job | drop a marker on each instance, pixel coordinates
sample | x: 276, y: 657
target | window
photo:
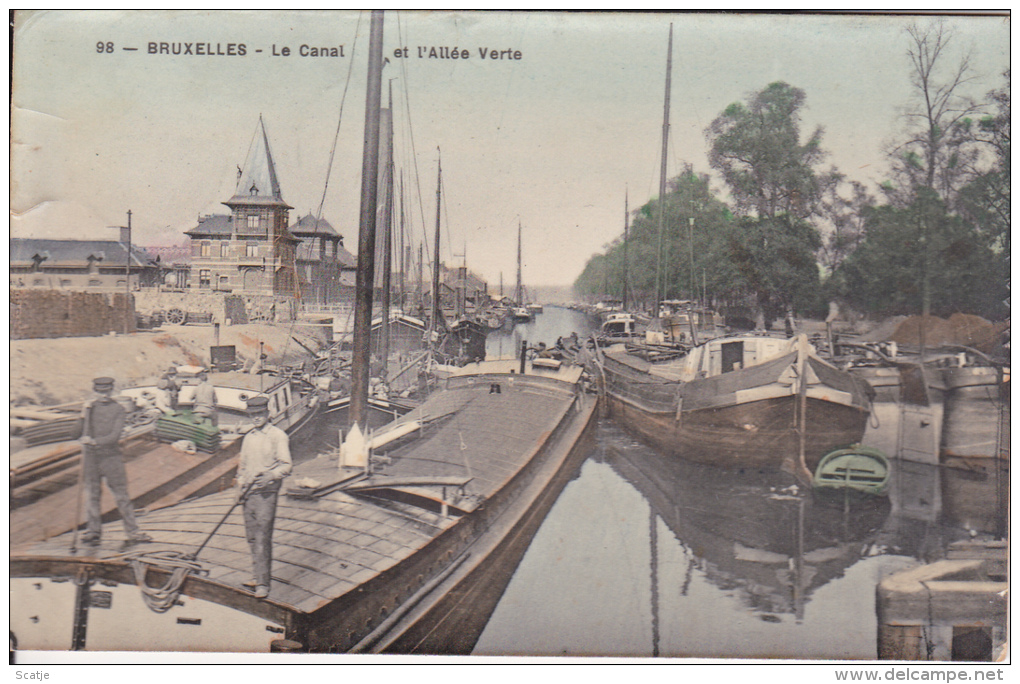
x: 224, y: 250
x: 206, y: 248
x: 38, y: 281
x: 204, y: 278
x: 224, y: 283
x: 65, y: 282
x: 95, y: 282
x: 251, y: 249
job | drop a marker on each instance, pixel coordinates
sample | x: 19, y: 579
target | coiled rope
x: 179, y: 565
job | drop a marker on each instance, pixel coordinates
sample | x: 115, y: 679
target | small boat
x: 739, y: 400
x: 520, y: 314
x: 535, y: 308
x: 161, y: 467
x: 620, y: 327
x: 858, y: 468
x: 408, y: 555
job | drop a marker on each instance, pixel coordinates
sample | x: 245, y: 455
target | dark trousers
x: 259, y: 516
x: 109, y: 465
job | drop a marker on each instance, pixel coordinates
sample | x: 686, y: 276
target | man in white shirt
x: 265, y: 462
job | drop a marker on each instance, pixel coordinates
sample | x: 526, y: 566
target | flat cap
x: 102, y: 383
x: 259, y: 403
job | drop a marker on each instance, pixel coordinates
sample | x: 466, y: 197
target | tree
x: 843, y: 219
x: 777, y: 189
x: 985, y: 202
x: 775, y: 262
x: 884, y: 275
x: 940, y: 151
x: 756, y: 147
x: 695, y: 252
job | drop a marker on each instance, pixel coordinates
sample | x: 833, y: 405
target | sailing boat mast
x: 518, y: 295
x: 662, y: 174
x: 626, y: 226
x: 436, y: 311
x: 366, y: 229
x: 387, y: 227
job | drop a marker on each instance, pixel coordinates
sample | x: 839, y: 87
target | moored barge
x: 410, y: 555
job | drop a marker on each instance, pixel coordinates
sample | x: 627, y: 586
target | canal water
x: 643, y: 555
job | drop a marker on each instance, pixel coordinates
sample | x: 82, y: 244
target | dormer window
x: 253, y: 190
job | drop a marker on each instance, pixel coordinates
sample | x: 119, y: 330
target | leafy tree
x: 775, y: 263
x: 985, y: 202
x: 756, y: 147
x: 692, y: 252
x: 843, y: 221
x: 906, y: 246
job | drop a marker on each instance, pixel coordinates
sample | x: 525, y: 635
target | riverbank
x: 60, y: 370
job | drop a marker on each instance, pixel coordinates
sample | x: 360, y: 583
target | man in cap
x: 101, y: 458
x: 265, y: 462
x: 205, y: 398
x: 173, y: 386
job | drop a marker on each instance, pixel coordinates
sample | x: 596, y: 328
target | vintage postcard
x: 509, y: 334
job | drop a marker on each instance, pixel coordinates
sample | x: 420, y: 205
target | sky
x: 552, y: 140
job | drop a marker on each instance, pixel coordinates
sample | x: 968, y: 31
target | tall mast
x: 518, y: 294
x: 387, y: 226
x: 365, y: 279
x: 626, y: 226
x: 436, y: 311
x: 662, y: 173
x: 404, y: 249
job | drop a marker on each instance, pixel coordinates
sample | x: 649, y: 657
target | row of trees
x: 795, y: 235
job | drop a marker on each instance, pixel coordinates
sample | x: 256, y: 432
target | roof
x: 309, y: 226
x: 75, y: 252
x: 257, y: 182
x: 213, y: 225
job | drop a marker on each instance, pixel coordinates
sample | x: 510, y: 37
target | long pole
x: 626, y: 227
x: 387, y: 226
x: 366, y: 228
x: 662, y: 172
x: 436, y: 311
x: 127, y: 280
x: 690, y: 242
x: 517, y: 294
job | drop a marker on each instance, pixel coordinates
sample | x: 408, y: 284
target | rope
x: 179, y: 565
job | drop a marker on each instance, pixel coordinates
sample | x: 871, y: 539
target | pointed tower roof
x: 256, y: 182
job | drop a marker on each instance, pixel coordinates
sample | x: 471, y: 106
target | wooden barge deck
x: 411, y: 557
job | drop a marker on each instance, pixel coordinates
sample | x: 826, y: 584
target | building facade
x: 250, y: 251
x: 80, y: 265
x: 322, y: 262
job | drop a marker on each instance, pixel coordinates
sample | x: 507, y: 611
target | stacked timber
x: 46, y: 425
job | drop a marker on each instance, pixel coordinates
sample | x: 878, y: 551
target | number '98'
x: 104, y: 47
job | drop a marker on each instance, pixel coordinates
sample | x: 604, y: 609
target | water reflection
x: 644, y: 555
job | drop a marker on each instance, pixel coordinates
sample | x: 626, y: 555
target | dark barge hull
x: 743, y: 418
x: 719, y: 436
x: 452, y: 619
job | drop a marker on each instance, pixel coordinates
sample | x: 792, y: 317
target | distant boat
x: 520, y: 314
x: 739, y: 400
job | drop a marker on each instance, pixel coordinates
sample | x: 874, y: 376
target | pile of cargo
x: 185, y: 425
